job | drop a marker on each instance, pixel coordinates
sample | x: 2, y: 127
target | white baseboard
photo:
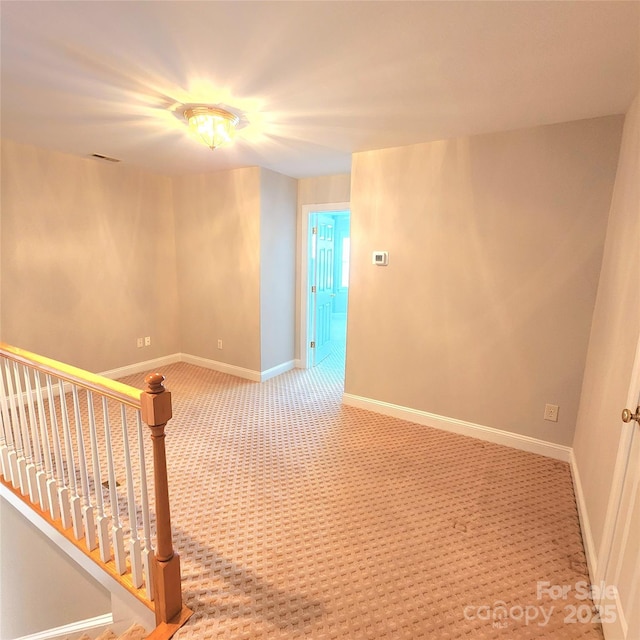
x: 223, y: 367
x: 489, y: 434
x: 276, y: 371
x: 73, y: 630
x: 585, y: 525
x: 139, y: 367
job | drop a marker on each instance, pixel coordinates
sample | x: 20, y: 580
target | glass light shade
x: 213, y: 125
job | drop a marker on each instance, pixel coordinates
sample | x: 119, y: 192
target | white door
x: 322, y: 290
x: 619, y: 593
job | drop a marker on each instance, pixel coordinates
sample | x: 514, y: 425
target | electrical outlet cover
x: 551, y: 412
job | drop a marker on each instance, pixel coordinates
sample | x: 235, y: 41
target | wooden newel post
x: 155, y: 406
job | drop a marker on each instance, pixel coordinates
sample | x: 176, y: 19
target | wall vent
x: 99, y: 156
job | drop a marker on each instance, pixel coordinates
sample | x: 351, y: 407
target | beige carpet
x: 297, y: 517
x: 135, y: 632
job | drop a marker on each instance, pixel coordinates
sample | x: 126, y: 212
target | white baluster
x: 41, y: 478
x: 50, y: 487
x: 102, y: 522
x: 134, y: 543
x: 117, y: 534
x: 4, y: 460
x: 147, y: 549
x: 32, y: 485
x: 17, y: 463
x: 87, y: 507
x: 75, y: 504
x: 4, y: 449
x: 8, y: 447
x: 62, y: 490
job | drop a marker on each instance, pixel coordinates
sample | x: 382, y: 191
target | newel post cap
x: 155, y: 401
x: 155, y: 383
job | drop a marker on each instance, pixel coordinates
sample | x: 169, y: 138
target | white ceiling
x: 317, y: 80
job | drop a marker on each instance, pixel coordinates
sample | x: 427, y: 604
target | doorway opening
x: 326, y: 243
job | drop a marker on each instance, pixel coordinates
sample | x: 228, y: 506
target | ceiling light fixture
x: 214, y: 126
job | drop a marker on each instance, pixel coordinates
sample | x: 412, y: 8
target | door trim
x: 617, y: 482
x: 305, y: 359
x: 598, y: 558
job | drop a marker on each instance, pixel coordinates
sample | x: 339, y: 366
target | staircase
x: 135, y: 632
x: 74, y: 455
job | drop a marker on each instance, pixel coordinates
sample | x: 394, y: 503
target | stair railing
x: 64, y: 454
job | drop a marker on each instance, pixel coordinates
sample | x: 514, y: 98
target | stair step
x: 134, y: 632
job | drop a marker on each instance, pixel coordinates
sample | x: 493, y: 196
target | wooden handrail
x: 85, y: 379
x: 154, y: 404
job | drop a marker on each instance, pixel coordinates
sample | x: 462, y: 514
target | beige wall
x: 88, y: 259
x: 495, y: 243
x: 324, y: 189
x: 482, y: 315
x: 218, y: 263
x: 614, y: 336
x: 277, y: 268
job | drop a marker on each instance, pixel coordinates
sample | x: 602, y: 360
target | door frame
x: 617, y: 482
x: 306, y: 357
x: 617, y: 487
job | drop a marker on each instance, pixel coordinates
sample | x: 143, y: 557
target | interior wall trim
x: 277, y: 370
x: 453, y: 425
x: 223, y: 367
x: 140, y: 367
x: 585, y: 525
x: 96, y: 625
x: 157, y: 363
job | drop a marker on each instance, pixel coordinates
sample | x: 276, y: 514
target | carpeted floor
x: 297, y: 517
x: 135, y: 632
